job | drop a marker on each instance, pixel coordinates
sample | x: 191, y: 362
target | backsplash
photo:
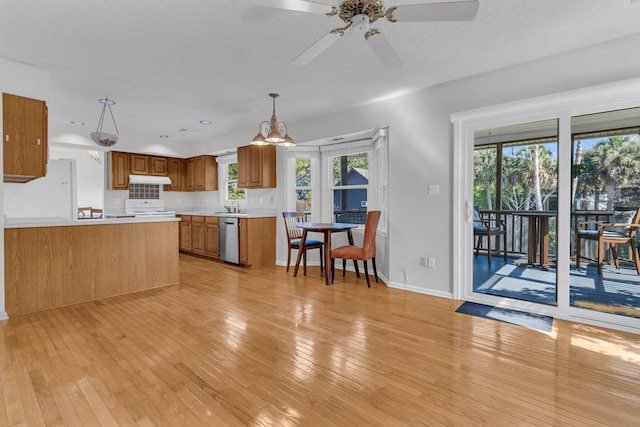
x: 144, y: 191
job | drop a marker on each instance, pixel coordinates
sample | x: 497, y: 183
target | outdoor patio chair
x: 488, y: 228
x: 621, y: 230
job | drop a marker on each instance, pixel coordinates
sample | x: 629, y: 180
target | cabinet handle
x: 6, y: 138
x: 38, y: 141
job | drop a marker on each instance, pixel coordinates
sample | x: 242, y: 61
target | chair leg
x: 304, y: 261
x: 600, y: 254
x: 333, y: 268
x: 344, y: 267
x: 634, y: 251
x: 289, y: 259
x: 504, y: 247
x: 366, y: 273
x: 577, y: 251
x: 375, y: 270
x: 614, y: 254
x: 355, y: 265
x: 489, y: 248
x: 321, y: 261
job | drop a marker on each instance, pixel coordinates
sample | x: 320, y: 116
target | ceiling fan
x: 359, y: 14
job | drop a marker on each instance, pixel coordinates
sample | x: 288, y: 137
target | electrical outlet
x: 423, y: 261
x: 431, y: 262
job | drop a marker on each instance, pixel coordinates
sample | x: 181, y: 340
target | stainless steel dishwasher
x: 229, y: 240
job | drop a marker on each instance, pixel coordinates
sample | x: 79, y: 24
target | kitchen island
x: 56, y: 262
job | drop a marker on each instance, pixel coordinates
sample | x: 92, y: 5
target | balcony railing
x: 517, y: 233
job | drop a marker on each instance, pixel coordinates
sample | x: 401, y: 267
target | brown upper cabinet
x: 158, y: 166
x: 119, y: 170
x: 176, y: 173
x: 139, y: 164
x: 194, y: 174
x: 206, y: 173
x: 257, y: 166
x: 25, y: 124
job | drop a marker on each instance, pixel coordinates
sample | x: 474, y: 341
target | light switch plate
x: 434, y: 189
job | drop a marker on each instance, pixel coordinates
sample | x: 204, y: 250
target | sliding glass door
x: 515, y: 209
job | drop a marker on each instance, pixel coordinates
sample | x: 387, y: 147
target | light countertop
x: 229, y: 215
x: 64, y: 222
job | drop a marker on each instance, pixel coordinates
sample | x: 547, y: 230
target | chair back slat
x: 290, y: 221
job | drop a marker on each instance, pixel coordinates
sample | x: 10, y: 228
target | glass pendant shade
x: 105, y: 139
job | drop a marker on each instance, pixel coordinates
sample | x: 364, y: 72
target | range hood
x: 144, y: 179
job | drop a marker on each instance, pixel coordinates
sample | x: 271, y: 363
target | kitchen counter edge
x: 229, y: 215
x: 61, y: 222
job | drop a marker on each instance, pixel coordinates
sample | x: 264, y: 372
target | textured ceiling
x: 169, y: 64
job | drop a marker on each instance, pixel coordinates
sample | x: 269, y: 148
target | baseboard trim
x: 420, y: 290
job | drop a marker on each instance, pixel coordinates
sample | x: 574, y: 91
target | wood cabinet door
x: 211, y: 237
x: 190, y: 177
x: 139, y: 164
x: 119, y: 169
x: 255, y: 166
x: 175, y: 172
x: 25, y: 138
x: 199, y: 172
x: 158, y: 166
x: 243, y: 167
x: 243, y: 226
x: 197, y: 235
x: 185, y: 233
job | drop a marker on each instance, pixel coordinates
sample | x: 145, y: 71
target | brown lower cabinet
x: 257, y: 241
x: 199, y: 235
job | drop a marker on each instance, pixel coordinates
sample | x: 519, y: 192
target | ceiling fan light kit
x: 105, y: 139
x: 359, y: 14
x: 273, y: 132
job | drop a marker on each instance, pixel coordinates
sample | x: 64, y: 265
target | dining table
x: 327, y: 229
x: 538, y: 241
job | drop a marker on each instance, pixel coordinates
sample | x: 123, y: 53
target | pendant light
x: 273, y: 132
x: 101, y: 138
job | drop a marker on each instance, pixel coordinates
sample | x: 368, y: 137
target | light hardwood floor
x: 231, y: 346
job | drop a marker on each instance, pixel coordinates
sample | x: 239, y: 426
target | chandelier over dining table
x: 273, y: 132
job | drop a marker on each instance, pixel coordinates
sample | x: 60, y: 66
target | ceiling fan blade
x: 386, y: 54
x: 451, y: 11
x: 316, y: 49
x: 299, y: 5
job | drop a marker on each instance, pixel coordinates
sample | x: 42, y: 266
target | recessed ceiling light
x: 182, y: 130
x: 205, y: 122
x: 164, y: 136
x: 77, y: 123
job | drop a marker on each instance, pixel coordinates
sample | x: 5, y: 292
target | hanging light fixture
x: 101, y: 138
x: 273, y: 132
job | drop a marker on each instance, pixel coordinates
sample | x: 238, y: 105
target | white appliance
x: 146, y: 208
x: 52, y: 196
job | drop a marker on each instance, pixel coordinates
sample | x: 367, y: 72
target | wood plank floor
x: 230, y: 346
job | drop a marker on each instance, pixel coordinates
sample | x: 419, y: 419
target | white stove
x: 146, y: 208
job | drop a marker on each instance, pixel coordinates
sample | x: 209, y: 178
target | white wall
x: 31, y: 82
x: 420, y: 147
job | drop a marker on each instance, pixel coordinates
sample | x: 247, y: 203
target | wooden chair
x: 96, y: 213
x: 365, y: 252
x: 294, y: 234
x: 621, y: 230
x: 488, y: 228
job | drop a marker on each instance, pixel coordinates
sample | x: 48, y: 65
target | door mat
x: 528, y: 320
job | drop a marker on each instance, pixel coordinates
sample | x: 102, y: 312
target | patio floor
x: 616, y: 291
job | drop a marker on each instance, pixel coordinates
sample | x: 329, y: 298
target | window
x: 233, y: 192
x: 303, y: 185
x: 228, y: 179
x: 346, y: 180
x: 350, y: 180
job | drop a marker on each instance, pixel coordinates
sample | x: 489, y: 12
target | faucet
x: 227, y: 208
x: 237, y: 208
